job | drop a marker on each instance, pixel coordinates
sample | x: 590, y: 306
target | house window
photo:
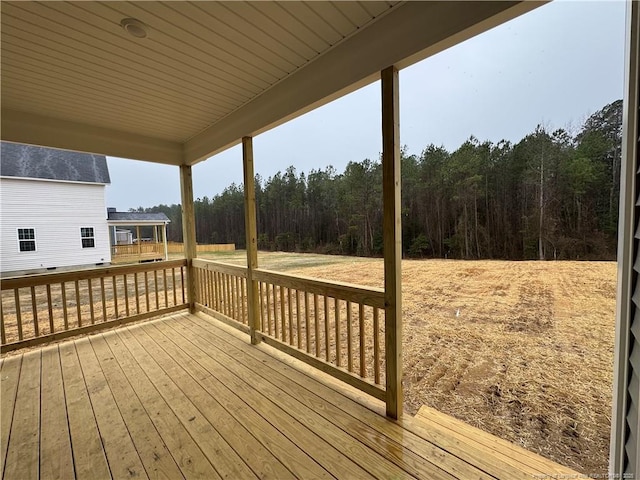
x: 88, y: 240
x: 27, y: 239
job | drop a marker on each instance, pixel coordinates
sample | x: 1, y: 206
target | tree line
x: 552, y: 195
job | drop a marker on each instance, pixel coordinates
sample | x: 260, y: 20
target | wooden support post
x: 139, y: 242
x: 164, y: 240
x: 251, y: 232
x: 188, y: 231
x: 392, y: 237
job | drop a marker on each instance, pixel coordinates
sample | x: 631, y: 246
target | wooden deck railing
x: 221, y: 291
x: 336, y: 327
x: 39, y: 308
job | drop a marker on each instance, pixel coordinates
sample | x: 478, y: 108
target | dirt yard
x: 523, y: 350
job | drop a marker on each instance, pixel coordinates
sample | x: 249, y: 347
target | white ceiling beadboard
x: 72, y: 76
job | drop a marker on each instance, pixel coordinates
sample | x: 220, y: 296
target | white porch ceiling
x: 208, y: 73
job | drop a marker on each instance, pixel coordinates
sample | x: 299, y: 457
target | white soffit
x: 207, y: 73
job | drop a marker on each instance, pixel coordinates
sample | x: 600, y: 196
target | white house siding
x: 57, y: 211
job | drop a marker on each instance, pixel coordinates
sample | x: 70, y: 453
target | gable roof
x: 137, y: 217
x: 28, y: 161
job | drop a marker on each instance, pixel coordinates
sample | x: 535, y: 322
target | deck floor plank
x: 9, y: 377
x: 502, y: 449
x: 257, y: 412
x: 247, y: 425
x: 154, y: 454
x: 451, y: 454
x: 56, y: 457
x: 224, y: 459
x: 393, y: 443
x: 124, y: 460
x: 88, y: 454
x: 217, y: 362
x: 23, y: 451
x: 192, y: 461
x: 187, y: 397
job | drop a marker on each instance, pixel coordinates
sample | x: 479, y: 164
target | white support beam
x: 34, y: 129
x: 392, y: 238
x: 406, y: 35
x: 188, y: 231
x: 251, y: 233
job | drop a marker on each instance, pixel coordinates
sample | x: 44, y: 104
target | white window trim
x: 93, y: 237
x: 35, y: 236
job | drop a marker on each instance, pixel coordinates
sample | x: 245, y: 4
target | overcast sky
x: 553, y: 66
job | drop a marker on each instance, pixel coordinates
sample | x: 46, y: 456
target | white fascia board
x: 34, y: 129
x: 139, y: 223
x: 409, y: 33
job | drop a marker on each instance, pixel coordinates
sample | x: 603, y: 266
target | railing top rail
x: 10, y: 283
x: 228, y: 268
x: 371, y: 296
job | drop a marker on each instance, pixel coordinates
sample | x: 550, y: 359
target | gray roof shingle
x: 28, y: 161
x: 137, y: 216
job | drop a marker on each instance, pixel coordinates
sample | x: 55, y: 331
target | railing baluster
x: 3, y: 335
x: 232, y: 296
x: 184, y: 298
x: 173, y: 284
x: 261, y: 307
x: 243, y: 286
x: 166, y: 292
x: 338, y: 340
x: 376, y: 347
x: 104, y: 300
x: 50, y: 308
x: 126, y: 294
x: 306, y: 321
x: 18, y: 313
x: 227, y: 283
x: 65, y: 313
x: 298, y: 319
x: 327, y: 330
x: 239, y: 315
x: 136, y: 289
x: 317, y: 324
x: 363, y: 368
x: 34, y: 310
x: 115, y: 295
x: 275, y: 312
x: 90, y: 288
x: 290, y: 311
x: 78, y: 308
x: 266, y: 287
x: 155, y: 288
x: 282, y: 316
x: 146, y: 290
x: 210, y: 289
x: 349, y: 339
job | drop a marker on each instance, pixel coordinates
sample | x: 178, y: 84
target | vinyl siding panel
x: 57, y: 211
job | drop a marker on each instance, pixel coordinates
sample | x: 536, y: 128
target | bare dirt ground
x: 523, y: 350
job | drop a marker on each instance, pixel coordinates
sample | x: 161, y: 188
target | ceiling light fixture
x: 134, y: 27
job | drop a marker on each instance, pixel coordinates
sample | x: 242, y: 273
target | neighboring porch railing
x: 335, y: 327
x: 142, y: 251
x: 40, y: 308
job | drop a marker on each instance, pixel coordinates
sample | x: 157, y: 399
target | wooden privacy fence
x: 174, y: 247
x: 335, y: 327
x: 40, y: 308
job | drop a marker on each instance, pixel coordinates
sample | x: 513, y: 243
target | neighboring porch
x: 185, y: 396
x: 149, y: 243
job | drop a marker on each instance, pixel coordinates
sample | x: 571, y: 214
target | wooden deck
x: 187, y: 397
